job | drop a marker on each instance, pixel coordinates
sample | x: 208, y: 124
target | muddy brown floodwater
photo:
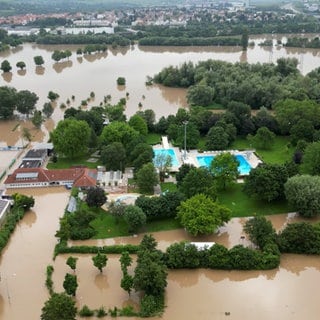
x: 286, y: 293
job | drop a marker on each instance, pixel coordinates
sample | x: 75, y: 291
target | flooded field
x: 284, y: 293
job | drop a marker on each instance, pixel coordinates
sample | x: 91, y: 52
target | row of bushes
x: 196, y: 41
x: 299, y: 238
x: 113, y: 249
x: 185, y: 255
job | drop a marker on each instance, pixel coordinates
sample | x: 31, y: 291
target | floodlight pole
x: 185, y: 139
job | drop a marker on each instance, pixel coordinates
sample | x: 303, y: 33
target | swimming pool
x: 168, y: 152
x: 244, y: 167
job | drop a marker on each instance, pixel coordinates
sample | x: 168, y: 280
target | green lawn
x: 168, y: 186
x: 106, y: 226
x: 153, y: 138
x: 279, y: 153
x: 243, y: 206
x: 64, y: 163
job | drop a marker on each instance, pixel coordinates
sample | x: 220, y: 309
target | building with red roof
x: 38, y: 177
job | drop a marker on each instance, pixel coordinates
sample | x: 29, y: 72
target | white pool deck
x: 191, y: 156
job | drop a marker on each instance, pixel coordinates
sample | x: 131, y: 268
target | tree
x: 100, y: 261
x: 139, y: 124
x: 113, y: 156
x: 266, y: 182
x: 125, y: 261
x: 118, y: 132
x: 244, y: 39
x: 72, y: 262
x: 200, y: 215
x: 70, y: 284
x: 37, y: 119
x: 59, y: 306
x: 52, y: 96
x: 96, y: 197
x: 127, y: 282
x: 21, y: 65
x: 47, y: 109
x: 141, y: 154
x: 38, y: 60
x: 311, y: 159
x: 117, y: 209
x: 23, y: 201
x: 147, y: 178
x: 8, y: 98
x: 260, y: 231
x: 121, y: 81
x: 134, y: 217
x: 71, y: 137
x: 162, y: 162
x: 224, y: 168
x: 264, y: 139
x: 56, y: 55
x: 303, y: 194
x: 183, y: 171
x: 217, y: 139
x: 192, y: 136
x: 200, y: 95
x: 198, y: 180
x: 26, y: 102
x: 150, y: 274
x: 26, y: 135
x: 302, y: 130
x: 5, y: 66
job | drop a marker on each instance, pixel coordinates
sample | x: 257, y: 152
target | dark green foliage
x: 38, y: 60
x: 218, y: 257
x: 23, y: 201
x: 198, y: 180
x: 183, y: 171
x: 301, y: 238
x: 62, y: 248
x: 101, y: 312
x: 96, y: 197
x: 59, y: 306
x: 135, y: 218
x: 147, y: 178
x: 113, y: 156
x: 311, y: 159
x: 151, y: 305
x: 242, y: 258
x: 70, y: 284
x: 100, y: 261
x: 121, y: 81
x: 266, y: 182
x: 217, y: 139
x: 8, y: 98
x: 164, y: 206
x: 79, y: 222
x: 182, y: 255
x: 260, y: 231
x: 49, y: 282
x: 53, y: 96
x: 72, y: 262
x: 5, y: 66
x: 86, y: 312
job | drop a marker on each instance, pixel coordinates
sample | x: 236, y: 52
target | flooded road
x: 284, y: 293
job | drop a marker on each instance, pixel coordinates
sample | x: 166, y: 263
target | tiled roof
x: 81, y: 177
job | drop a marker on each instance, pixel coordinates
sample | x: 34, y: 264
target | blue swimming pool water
x: 168, y: 152
x: 244, y: 167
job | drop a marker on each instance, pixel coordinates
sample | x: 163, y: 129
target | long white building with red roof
x: 38, y: 177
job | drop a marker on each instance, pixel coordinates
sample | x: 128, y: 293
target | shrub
x: 151, y: 305
x: 101, y: 312
x: 86, y: 312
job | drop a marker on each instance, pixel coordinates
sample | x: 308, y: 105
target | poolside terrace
x: 190, y: 157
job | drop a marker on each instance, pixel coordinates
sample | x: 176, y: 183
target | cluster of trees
x: 58, y: 55
x: 303, y: 42
x: 91, y: 48
x: 11, y: 100
x: 195, y: 41
x: 103, y: 39
x: 257, y: 85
